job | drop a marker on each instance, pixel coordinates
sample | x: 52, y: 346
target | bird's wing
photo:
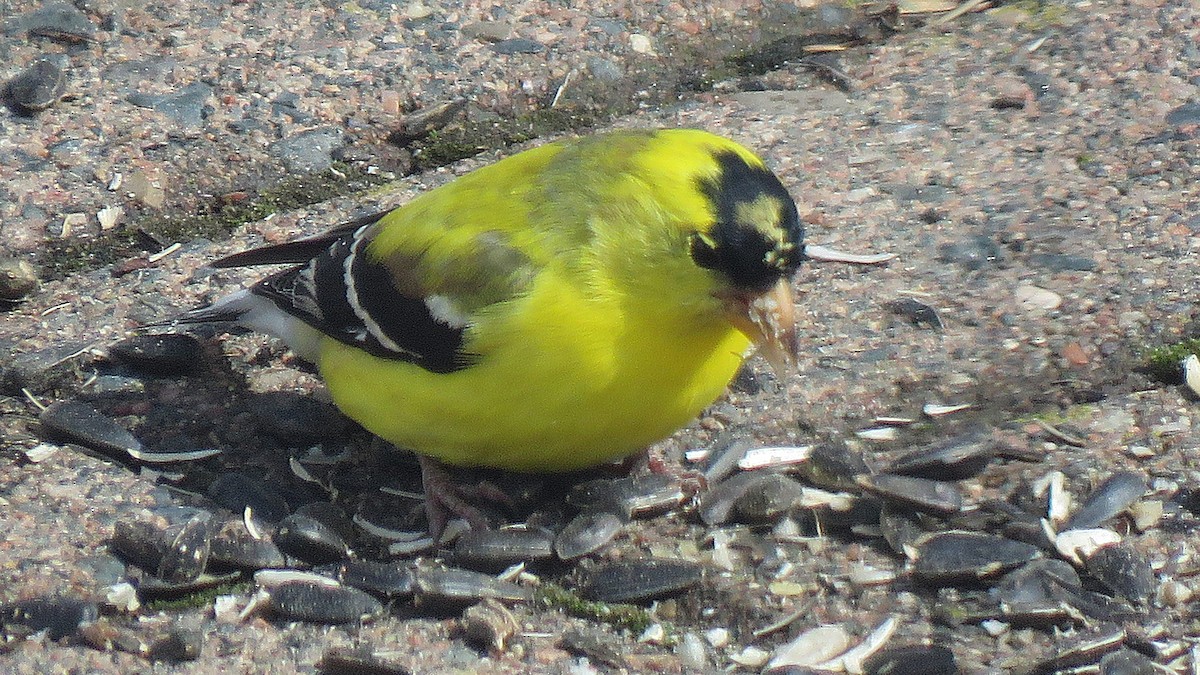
x: 407, y: 304
x: 410, y: 283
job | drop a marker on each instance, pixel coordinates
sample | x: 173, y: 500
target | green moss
x: 624, y: 617
x: 454, y: 143
x: 200, y: 598
x: 774, y: 54
x: 1163, y: 363
x: 447, y: 146
x: 215, y: 219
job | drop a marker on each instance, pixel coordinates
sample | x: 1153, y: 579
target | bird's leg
x: 691, y: 481
x: 444, y: 497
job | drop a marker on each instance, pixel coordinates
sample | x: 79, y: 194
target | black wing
x: 344, y: 293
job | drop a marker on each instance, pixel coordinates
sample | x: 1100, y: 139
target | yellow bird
x: 558, y: 309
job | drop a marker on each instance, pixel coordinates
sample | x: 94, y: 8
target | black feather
x: 753, y: 256
x: 293, y: 252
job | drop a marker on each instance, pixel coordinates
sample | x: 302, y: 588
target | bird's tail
x: 248, y: 310
x: 229, y: 309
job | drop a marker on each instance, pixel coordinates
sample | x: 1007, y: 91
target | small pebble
x: 1033, y: 298
x: 60, y: 617
x: 39, y: 86
x: 495, y: 550
x: 586, y: 534
x: 947, y: 557
x: 185, y: 107
x: 166, y: 354
x: 310, y: 540
x: 973, y: 253
x: 1186, y: 114
x: 635, y: 581
x: 518, y: 46
x: 60, y: 21
x: 490, y: 624
x: 308, y: 151
x: 18, y: 279
x: 83, y: 424
x: 318, y: 603
x: 641, y: 44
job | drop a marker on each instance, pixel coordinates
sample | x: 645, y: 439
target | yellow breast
x: 564, y: 381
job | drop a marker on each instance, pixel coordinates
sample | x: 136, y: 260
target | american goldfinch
x: 558, y: 309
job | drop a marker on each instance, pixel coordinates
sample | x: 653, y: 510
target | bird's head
x: 753, y: 245
x: 707, y: 229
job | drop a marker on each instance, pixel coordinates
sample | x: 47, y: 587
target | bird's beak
x: 769, y: 320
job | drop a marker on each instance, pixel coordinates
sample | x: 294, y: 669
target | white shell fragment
x: 895, y: 421
x: 760, y: 458
x: 812, y: 647
x: 693, y: 656
x: 316, y: 456
x: 72, y: 221
x: 272, y: 578
x: 1032, y: 298
x: 302, y: 472
x: 257, y: 601
x: 41, y: 452
x: 937, y: 410
x: 813, y: 498
x: 717, y: 637
x: 225, y: 609
x: 654, y: 634
x: 878, y: 433
x: 123, y: 597
x: 826, y: 254
x: 865, y: 575
x: 993, y: 627
x: 852, y: 660
x: 108, y: 217
x: 751, y: 657
x: 171, y: 457
x: 385, y: 533
x: 404, y: 548
x: 642, y: 44
x: 1058, y: 507
x: 170, y: 250
x: 1146, y: 514
x: 1079, y: 545
x: 1191, y: 373
x: 251, y: 523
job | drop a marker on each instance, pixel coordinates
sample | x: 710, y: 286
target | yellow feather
x: 594, y: 331
x: 569, y: 382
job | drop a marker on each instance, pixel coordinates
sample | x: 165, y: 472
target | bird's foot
x: 444, y: 498
x: 691, y: 481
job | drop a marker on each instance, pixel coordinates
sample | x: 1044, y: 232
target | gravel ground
x: 1032, y: 168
